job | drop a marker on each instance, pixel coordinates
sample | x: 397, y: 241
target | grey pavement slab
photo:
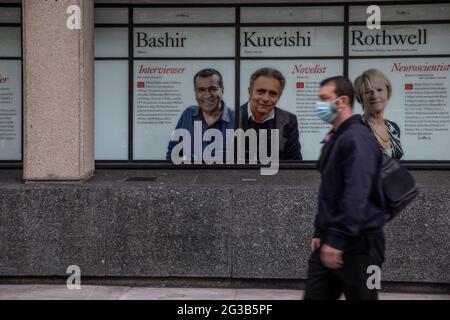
x: 55, y: 292
x: 405, y: 296
x: 268, y: 294
x: 9, y: 292
x: 179, y: 294
x: 108, y: 293
x: 60, y: 292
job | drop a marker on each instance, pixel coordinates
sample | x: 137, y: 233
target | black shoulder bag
x: 399, y: 185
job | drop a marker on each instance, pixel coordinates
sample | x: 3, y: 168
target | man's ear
x: 345, y: 100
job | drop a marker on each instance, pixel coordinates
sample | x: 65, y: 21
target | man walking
x: 348, y: 235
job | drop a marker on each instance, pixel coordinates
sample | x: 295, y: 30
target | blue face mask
x: 326, y: 111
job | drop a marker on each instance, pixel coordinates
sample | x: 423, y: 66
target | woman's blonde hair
x: 366, y: 78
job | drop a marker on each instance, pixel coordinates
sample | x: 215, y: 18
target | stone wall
x: 200, y: 223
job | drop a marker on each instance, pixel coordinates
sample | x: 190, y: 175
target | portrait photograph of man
x: 210, y: 110
x: 262, y: 112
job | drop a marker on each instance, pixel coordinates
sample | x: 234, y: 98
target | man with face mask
x: 348, y: 236
x: 211, y: 111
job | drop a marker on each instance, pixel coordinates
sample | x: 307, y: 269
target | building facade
x: 90, y: 93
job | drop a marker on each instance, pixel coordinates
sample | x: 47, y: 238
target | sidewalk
x: 60, y: 292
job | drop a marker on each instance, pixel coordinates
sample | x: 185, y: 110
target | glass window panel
x: 10, y: 110
x: 400, y: 40
x: 303, y: 79
x: 163, y: 89
x: 292, y: 14
x: 419, y: 104
x: 111, y: 42
x: 111, y: 15
x: 10, y: 15
x: 291, y: 41
x: 184, y: 15
x: 410, y: 12
x: 184, y: 42
x: 111, y: 110
x: 10, y: 42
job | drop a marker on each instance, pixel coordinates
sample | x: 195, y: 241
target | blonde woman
x: 373, y: 91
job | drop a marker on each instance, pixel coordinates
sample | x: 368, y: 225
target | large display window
x: 167, y: 46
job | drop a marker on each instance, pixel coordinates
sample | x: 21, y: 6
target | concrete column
x: 58, y: 72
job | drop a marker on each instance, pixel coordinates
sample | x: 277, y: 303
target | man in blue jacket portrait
x: 211, y: 111
x: 262, y: 112
x: 348, y: 241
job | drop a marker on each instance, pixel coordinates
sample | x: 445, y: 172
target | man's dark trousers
x: 360, y: 253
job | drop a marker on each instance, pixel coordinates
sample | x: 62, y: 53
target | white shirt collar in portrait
x: 250, y: 114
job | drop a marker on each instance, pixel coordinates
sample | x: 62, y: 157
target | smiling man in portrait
x: 262, y: 113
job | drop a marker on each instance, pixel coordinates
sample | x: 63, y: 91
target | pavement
x: 92, y: 292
